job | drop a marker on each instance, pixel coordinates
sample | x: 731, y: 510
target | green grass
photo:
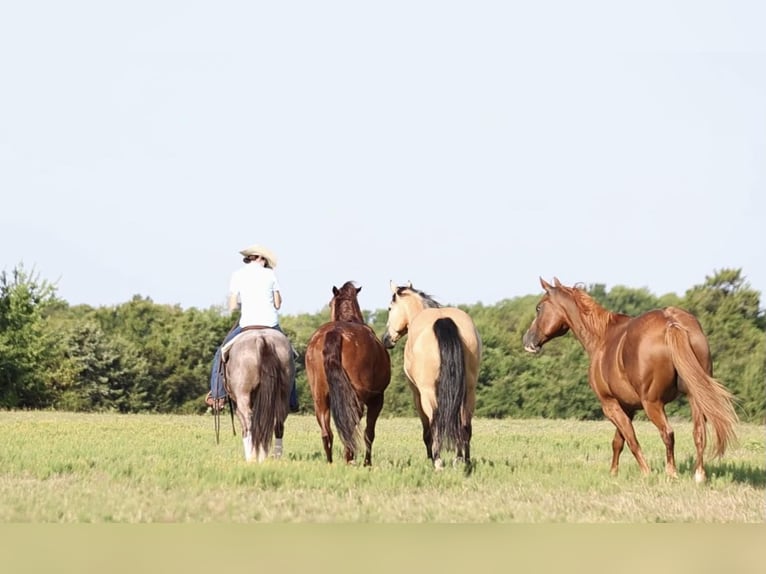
x: 88, y: 468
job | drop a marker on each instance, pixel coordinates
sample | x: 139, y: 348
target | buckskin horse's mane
x: 428, y: 301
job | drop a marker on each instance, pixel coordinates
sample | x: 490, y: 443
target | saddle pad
x: 226, y: 347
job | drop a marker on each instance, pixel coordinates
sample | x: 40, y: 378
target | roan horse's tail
x: 706, y: 395
x: 269, y: 397
x: 450, y: 384
x: 345, y: 407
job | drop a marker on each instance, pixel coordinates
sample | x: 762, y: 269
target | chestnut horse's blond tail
x: 706, y: 395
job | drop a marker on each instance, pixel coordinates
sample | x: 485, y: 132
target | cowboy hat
x: 255, y: 250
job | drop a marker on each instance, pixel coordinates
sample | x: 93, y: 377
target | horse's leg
x: 244, y: 412
x: 618, y: 442
x: 322, y: 409
x: 622, y: 421
x: 655, y: 410
x: 430, y: 437
x: 427, y: 439
x: 279, y: 433
x: 279, y: 424
x: 373, y: 410
x: 464, y: 452
x: 700, y: 436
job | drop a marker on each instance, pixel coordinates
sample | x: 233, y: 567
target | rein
x: 217, y: 420
x: 217, y: 412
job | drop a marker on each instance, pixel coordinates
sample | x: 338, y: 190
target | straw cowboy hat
x: 255, y: 250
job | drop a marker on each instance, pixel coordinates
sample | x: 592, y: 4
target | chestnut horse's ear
x: 556, y: 282
x: 335, y: 290
x: 393, y: 287
x: 546, y: 286
x: 358, y: 289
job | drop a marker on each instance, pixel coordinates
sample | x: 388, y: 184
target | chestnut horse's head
x: 550, y: 321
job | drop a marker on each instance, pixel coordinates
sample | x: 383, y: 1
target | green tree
x: 99, y: 373
x: 626, y: 300
x: 178, y: 347
x: 27, y: 348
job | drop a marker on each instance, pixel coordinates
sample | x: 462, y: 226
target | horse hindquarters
x: 447, y: 425
x: 345, y: 407
x: 709, y: 400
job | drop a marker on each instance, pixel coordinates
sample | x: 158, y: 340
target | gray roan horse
x: 259, y: 371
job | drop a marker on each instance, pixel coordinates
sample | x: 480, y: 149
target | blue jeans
x: 216, y: 376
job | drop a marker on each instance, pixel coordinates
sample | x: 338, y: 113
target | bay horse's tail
x: 345, y: 407
x: 706, y: 395
x: 269, y: 398
x: 450, y: 385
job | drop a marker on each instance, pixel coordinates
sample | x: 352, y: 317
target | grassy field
x: 103, y: 468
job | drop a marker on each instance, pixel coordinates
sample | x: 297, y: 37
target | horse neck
x: 413, y: 307
x: 587, y: 320
x: 348, y: 311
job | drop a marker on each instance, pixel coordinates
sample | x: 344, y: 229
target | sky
x: 467, y: 147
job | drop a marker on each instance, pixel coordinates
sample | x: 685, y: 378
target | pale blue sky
x: 469, y: 147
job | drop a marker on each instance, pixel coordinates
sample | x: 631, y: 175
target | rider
x: 254, y: 290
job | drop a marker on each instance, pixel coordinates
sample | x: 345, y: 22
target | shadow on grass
x: 742, y: 472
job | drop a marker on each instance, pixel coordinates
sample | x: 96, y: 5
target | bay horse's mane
x: 428, y: 301
x: 346, y: 305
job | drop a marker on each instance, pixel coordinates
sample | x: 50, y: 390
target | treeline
x: 140, y: 356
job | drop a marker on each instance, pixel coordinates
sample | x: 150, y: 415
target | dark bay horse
x: 259, y: 367
x: 348, y: 369
x: 441, y: 361
x: 640, y: 363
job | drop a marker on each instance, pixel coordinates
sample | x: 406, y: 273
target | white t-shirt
x: 254, y: 286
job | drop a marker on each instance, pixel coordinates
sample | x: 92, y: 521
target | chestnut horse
x: 640, y: 363
x: 348, y: 369
x: 259, y: 369
x: 441, y: 361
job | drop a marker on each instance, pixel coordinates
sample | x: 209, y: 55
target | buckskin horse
x: 348, y: 369
x: 259, y: 367
x: 441, y: 361
x: 640, y: 363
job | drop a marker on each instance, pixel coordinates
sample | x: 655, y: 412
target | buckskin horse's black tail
x: 450, y: 387
x: 345, y: 407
